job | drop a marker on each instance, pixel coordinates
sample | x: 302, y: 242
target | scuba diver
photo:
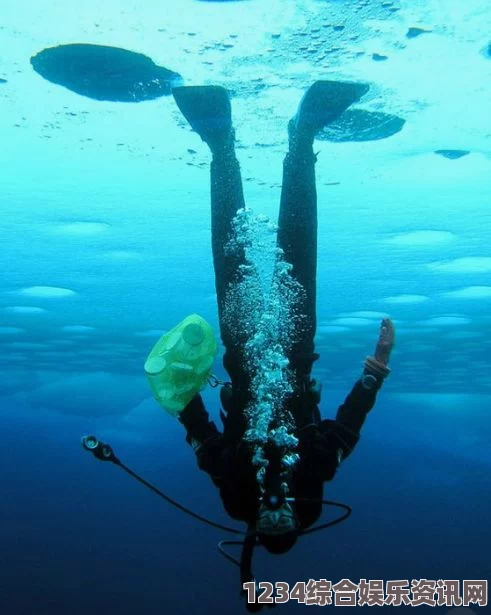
x: 288, y: 500
x: 274, y: 520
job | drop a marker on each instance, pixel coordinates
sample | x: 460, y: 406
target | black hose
x: 250, y: 541
x: 227, y: 543
x: 323, y: 526
x: 176, y: 504
x: 105, y: 453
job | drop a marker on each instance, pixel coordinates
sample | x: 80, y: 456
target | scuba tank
x: 180, y: 363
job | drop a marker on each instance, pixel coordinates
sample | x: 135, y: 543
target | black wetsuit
x: 322, y: 443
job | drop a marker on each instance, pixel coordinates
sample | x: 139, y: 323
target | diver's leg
x: 208, y: 110
x: 230, y: 265
x: 226, y: 199
x: 322, y: 104
x: 297, y: 238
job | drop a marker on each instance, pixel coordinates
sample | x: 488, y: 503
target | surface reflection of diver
x: 289, y: 502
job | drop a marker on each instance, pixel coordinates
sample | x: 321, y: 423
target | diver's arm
x: 205, y: 439
x: 352, y: 413
x: 333, y: 440
x: 195, y: 419
x: 323, y: 446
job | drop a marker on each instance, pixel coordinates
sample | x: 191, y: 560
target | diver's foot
x: 322, y: 104
x: 207, y: 109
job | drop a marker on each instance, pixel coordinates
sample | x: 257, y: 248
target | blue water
x: 105, y: 232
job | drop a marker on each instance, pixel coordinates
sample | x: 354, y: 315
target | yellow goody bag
x: 180, y: 363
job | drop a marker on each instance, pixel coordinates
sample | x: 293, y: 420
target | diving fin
x: 324, y: 102
x: 207, y: 109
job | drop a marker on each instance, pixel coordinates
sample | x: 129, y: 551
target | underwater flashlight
x: 101, y: 451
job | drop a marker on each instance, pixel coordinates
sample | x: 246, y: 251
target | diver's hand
x: 385, y: 341
x: 377, y: 365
